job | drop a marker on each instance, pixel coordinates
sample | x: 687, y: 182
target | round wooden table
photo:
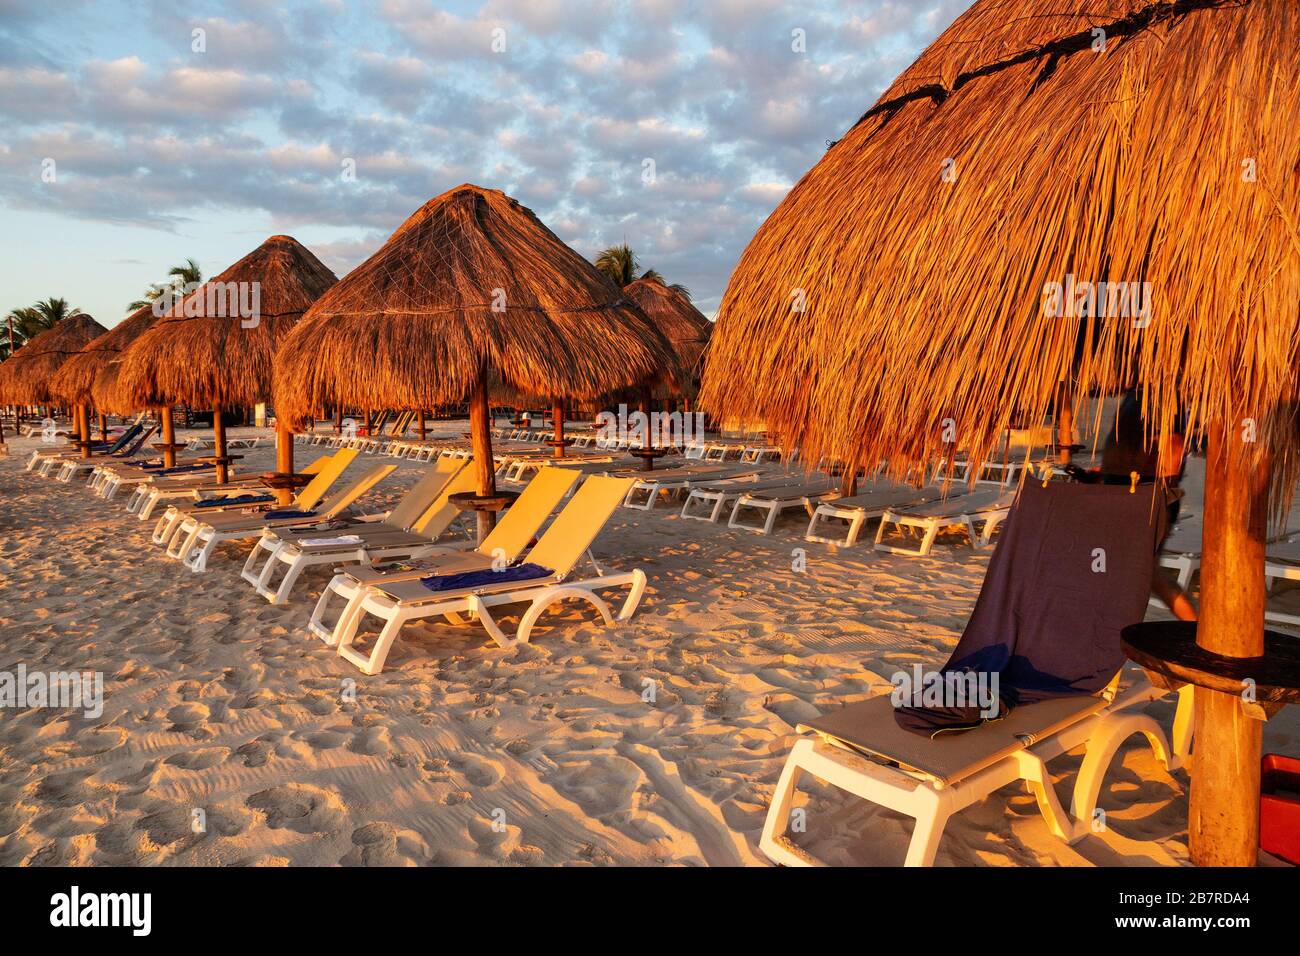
x: 648, y: 456
x: 473, y: 501
x: 1169, y: 649
x: 280, y: 481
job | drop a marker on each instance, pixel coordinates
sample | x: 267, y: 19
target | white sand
x: 218, y: 701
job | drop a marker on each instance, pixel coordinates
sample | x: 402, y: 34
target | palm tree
x: 25, y: 323
x: 178, y: 277
x: 620, y: 264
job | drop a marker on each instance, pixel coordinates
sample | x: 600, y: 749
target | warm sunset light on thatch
x: 75, y: 380
x: 471, y: 281
x: 685, y: 326
x: 206, y: 360
x: 27, y: 377
x: 901, y: 283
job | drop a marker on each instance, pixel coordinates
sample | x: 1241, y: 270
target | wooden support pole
x: 480, y: 430
x: 219, y: 449
x: 557, y: 415
x: 103, y: 427
x: 1223, y: 821
x: 82, y: 413
x: 168, y: 436
x: 419, y: 427
x: 283, y: 457
x: 338, y: 419
x: 1064, y: 424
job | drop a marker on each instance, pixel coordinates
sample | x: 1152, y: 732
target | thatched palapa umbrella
x: 213, y: 347
x: 907, y: 281
x: 74, y: 382
x: 470, y: 293
x: 26, y: 377
x: 685, y: 327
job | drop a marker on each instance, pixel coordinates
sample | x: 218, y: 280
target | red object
x: 1279, y: 807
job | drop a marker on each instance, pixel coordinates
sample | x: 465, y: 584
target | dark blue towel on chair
x: 473, y: 579
x: 1071, y: 570
x: 289, y: 513
x: 237, y: 500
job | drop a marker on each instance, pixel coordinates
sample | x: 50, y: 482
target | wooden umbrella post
x: 420, y: 423
x: 480, y: 431
x: 103, y: 427
x: 219, y: 448
x: 1064, y: 425
x: 557, y: 413
x: 168, y: 436
x: 338, y: 419
x: 283, y: 458
x: 1223, y: 822
x: 83, y: 428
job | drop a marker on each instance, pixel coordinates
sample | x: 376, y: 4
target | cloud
x: 260, y: 125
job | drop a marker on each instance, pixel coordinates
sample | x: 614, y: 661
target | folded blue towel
x: 473, y: 579
x: 289, y: 513
x: 237, y: 500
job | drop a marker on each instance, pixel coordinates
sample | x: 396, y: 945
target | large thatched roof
x: 685, y: 326
x: 218, y: 358
x: 472, y: 280
x: 1011, y: 155
x: 25, y: 377
x: 75, y: 380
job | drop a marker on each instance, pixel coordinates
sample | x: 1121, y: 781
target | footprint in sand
x: 299, y: 808
x: 201, y: 759
x: 187, y: 718
x: 65, y: 789
x: 375, y: 844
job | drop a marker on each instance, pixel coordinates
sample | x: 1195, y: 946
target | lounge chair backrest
x: 442, y: 512
x: 527, y: 515
x: 314, y: 491
x: 315, y: 466
x: 574, y: 528
x: 336, y: 502
x: 124, y: 439
x: 422, y: 494
x: 140, y: 440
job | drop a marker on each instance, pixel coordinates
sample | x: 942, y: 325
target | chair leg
x: 926, y: 836
x: 773, y: 842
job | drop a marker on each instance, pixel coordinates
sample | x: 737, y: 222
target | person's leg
x: 1175, y: 598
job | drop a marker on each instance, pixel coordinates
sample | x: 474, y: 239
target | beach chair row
x: 404, y: 563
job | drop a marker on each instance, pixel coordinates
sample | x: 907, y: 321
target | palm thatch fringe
x: 25, y: 377
x: 75, y: 381
x: 215, y: 357
x: 472, y: 281
x: 900, y: 296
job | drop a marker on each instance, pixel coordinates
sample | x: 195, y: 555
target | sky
x: 136, y: 134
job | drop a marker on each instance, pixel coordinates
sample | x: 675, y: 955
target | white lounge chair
x: 199, y: 535
x: 408, y: 530
x: 648, y: 485
x: 514, y: 531
x: 989, y: 506
x: 860, y: 508
x: 861, y: 749
x: 214, y: 499
x: 771, y: 503
x: 467, y: 586
x: 1282, y: 563
x: 705, y: 501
